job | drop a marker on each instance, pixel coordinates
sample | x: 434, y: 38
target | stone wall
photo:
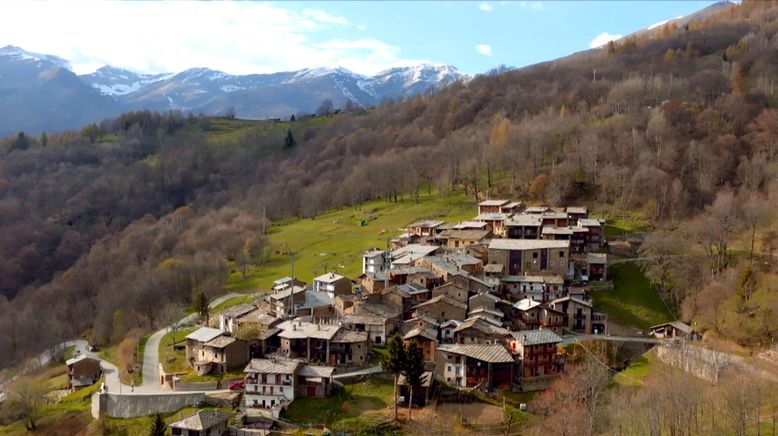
x: 134, y: 405
x: 700, y: 362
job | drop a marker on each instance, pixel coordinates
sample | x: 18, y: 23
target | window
x: 449, y: 368
x: 535, y: 255
x: 561, y: 254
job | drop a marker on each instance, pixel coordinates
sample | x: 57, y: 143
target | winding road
x: 150, y: 367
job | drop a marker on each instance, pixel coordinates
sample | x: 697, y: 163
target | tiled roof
x: 494, y: 353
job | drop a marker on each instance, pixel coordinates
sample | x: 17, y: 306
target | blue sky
x: 366, y: 37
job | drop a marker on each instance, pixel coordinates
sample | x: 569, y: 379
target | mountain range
x: 40, y: 92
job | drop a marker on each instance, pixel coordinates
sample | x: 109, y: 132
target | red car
x: 238, y: 385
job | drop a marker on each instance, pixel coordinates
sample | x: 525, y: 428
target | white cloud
x: 484, y: 49
x: 235, y: 37
x: 603, y: 39
x: 486, y: 7
x: 324, y: 17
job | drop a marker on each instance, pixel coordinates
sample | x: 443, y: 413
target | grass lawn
x: 634, y: 374
x: 334, y: 242
x: 633, y: 301
x: 243, y: 299
x: 622, y: 226
x: 174, y: 361
x: 194, y: 378
x: 378, y: 354
x: 358, y: 407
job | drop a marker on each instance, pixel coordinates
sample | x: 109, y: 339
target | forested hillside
x: 112, y: 227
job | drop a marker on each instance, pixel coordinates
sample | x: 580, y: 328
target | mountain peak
x: 19, y: 54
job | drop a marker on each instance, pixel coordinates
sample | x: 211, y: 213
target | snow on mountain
x: 118, y: 81
x: 13, y: 53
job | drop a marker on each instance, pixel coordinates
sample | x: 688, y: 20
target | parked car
x: 238, y: 385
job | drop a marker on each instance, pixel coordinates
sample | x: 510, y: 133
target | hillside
x: 676, y: 127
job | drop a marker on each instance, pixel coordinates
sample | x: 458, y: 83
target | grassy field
x: 634, y: 374
x: 359, y: 406
x: 622, y: 226
x: 334, y: 242
x: 633, y: 301
x: 243, y: 299
x: 174, y: 361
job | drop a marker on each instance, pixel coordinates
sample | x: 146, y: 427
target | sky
x: 366, y: 37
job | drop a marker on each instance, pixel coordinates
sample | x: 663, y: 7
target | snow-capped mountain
x: 40, y: 91
x: 10, y: 53
x: 266, y: 95
x: 118, y: 81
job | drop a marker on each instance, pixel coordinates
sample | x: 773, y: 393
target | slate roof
x: 491, y: 216
x: 316, y: 371
x: 294, y: 329
x: 205, y: 334
x: 272, y: 366
x: 597, y: 258
x: 526, y: 304
x: 79, y: 358
x: 574, y: 299
x: 468, y: 235
x: 524, y: 220
x: 526, y: 244
x: 442, y: 298
x: 494, y: 353
x: 535, y: 337
x: 344, y: 335
x: 493, y: 202
x: 328, y: 278
x: 482, y: 326
x: 682, y: 326
x: 238, y: 311
x: 425, y: 333
x: 586, y: 222
x: 220, y: 341
x: 202, y: 420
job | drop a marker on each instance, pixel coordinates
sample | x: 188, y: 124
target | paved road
x: 566, y: 340
x: 151, y: 352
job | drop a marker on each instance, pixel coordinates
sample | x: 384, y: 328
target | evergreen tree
x: 394, y: 362
x: 158, y: 427
x: 289, y: 140
x: 44, y: 139
x: 292, y: 118
x: 201, y: 305
x: 413, y: 370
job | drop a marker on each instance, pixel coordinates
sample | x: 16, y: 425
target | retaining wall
x: 134, y: 405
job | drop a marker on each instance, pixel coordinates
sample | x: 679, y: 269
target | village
x: 489, y: 302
